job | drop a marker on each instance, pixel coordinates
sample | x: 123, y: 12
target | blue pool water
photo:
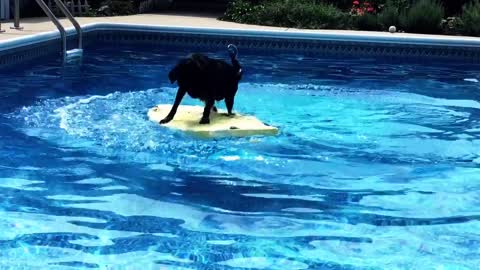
x: 377, y: 166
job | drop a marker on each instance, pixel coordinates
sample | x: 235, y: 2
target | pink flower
x: 370, y: 9
x: 356, y: 2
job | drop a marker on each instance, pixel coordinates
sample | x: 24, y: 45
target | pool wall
x: 309, y: 43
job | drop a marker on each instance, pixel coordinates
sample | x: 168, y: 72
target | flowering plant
x: 360, y: 8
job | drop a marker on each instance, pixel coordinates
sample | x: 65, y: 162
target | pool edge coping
x: 361, y: 37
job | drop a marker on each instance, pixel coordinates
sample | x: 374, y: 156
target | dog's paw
x: 165, y: 120
x: 204, y: 121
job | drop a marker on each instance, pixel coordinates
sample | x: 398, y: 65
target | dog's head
x: 193, y: 64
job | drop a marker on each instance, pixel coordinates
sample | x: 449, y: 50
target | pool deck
x: 33, y: 26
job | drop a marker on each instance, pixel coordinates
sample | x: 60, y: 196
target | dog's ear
x: 173, y: 74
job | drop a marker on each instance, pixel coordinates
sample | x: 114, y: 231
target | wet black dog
x: 206, y: 79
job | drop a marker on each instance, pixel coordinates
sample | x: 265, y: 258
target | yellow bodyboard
x: 221, y: 125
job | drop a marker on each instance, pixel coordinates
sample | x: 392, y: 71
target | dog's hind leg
x: 229, y: 103
x: 180, y: 94
x: 214, y: 108
x: 206, y: 112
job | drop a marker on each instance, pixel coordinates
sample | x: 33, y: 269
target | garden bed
x: 457, y: 17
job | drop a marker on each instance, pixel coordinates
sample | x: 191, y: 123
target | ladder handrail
x: 57, y: 23
x: 63, y: 33
x: 70, y: 17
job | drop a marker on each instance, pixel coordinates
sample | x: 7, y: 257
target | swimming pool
x: 377, y: 166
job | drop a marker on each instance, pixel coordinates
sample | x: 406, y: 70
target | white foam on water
x: 94, y: 181
x: 102, y: 242
x: 161, y: 167
x: 64, y: 112
x: 327, y: 114
x: 230, y: 158
x: 265, y: 263
x: 285, y: 196
x: 38, y: 257
x: 323, y: 125
x: 19, y: 183
x: 221, y: 242
x: 477, y: 160
x: 116, y: 187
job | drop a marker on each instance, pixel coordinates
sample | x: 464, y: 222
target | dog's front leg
x: 206, y: 111
x: 180, y: 94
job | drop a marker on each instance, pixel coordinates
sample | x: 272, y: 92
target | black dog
x: 206, y: 79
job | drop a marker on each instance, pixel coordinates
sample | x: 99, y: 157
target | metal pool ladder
x: 67, y: 54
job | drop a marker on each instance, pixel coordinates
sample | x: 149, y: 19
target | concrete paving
x: 37, y: 25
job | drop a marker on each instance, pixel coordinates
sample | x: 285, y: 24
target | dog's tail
x: 233, y: 52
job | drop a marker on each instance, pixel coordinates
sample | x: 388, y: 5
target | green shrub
x: 452, y: 26
x: 347, y: 4
x: 119, y: 7
x: 388, y: 17
x: 425, y: 17
x: 341, y: 4
x: 241, y: 11
x: 454, y: 7
x: 287, y: 13
x: 391, y: 13
x: 368, y: 22
x: 144, y: 6
x: 303, y: 14
x: 470, y: 19
x: 95, y: 4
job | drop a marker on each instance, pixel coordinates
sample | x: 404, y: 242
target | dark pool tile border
x: 309, y: 43
x: 306, y: 47
x: 423, y: 48
x: 27, y: 53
